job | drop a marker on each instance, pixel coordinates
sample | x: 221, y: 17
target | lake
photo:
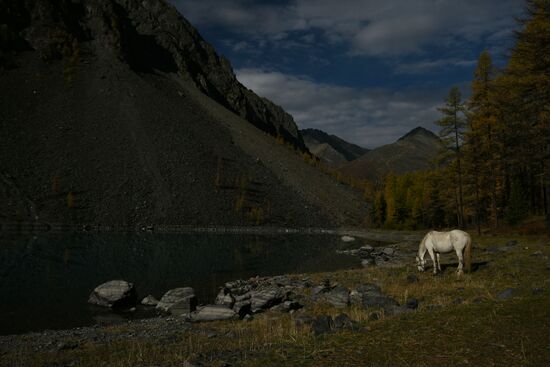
x: 45, y: 280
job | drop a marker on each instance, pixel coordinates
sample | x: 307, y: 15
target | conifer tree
x: 452, y: 134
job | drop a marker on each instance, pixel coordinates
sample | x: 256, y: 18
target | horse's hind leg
x: 432, y: 255
x: 459, y: 270
x: 438, y: 261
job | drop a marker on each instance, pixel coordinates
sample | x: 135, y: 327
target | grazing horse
x: 444, y: 242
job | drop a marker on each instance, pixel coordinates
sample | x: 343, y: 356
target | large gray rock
x: 178, y: 301
x: 225, y: 298
x: 114, y: 293
x: 368, y: 288
x: 213, y: 313
x: 266, y: 298
x: 373, y: 300
x: 149, y: 301
x: 322, y: 324
x: 243, y: 307
x: 338, y: 297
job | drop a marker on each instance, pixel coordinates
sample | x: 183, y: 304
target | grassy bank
x: 459, y: 322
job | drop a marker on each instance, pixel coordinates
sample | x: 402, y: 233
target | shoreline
x: 25, y: 228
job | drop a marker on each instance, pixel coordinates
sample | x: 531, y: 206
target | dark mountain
x: 330, y: 148
x: 414, y: 151
x: 117, y: 111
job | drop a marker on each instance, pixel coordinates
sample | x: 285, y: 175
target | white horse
x: 444, y: 242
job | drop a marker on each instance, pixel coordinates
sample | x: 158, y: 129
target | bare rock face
x: 148, y: 35
x: 114, y: 293
x: 178, y: 301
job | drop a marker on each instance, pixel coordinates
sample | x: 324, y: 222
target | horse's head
x: 420, y: 263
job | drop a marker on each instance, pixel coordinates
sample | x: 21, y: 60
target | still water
x: 45, y: 281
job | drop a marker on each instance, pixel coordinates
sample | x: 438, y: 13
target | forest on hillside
x: 495, y: 169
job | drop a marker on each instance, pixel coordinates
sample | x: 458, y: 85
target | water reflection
x: 45, y: 281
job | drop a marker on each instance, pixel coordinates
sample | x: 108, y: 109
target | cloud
x: 430, y: 66
x: 391, y: 27
x: 368, y: 117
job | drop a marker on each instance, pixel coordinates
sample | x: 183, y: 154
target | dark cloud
x: 391, y: 27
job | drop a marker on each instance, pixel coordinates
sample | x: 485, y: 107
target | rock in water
x: 347, y: 239
x: 178, y: 301
x: 214, y: 312
x: 338, y: 297
x: 149, y: 301
x: 114, y: 293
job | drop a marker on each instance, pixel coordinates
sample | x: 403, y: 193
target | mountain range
x: 330, y: 148
x: 414, y: 151
x: 119, y: 112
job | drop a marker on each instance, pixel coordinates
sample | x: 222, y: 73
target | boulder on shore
x: 149, y: 301
x: 213, y: 313
x: 114, y: 293
x: 178, y: 301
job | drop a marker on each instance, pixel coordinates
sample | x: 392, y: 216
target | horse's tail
x: 468, y: 255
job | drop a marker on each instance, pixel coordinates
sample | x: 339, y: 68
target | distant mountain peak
x: 416, y: 131
x: 340, y: 150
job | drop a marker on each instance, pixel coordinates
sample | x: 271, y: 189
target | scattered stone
x: 366, y: 248
x: 512, y: 243
x: 374, y: 316
x: 388, y: 251
x: 371, y: 300
x: 368, y: 288
x: 412, y: 303
x: 338, y: 297
x: 342, y: 321
x: 225, y: 298
x: 367, y: 262
x: 355, y: 297
x: 248, y: 317
x: 322, y: 324
x: 243, y: 308
x: 507, y: 293
x: 149, y: 301
x: 114, y: 293
x: 412, y: 278
x: 392, y: 310
x: 261, y: 300
x: 303, y: 320
x: 537, y: 290
x: 213, y: 313
x: 178, y: 301
x: 347, y: 239
x: 537, y: 253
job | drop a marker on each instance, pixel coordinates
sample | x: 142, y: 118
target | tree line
x: 494, y: 168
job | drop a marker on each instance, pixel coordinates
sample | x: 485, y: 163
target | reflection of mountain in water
x: 48, y: 279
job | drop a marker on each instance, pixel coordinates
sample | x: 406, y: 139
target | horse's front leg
x: 432, y: 255
x: 459, y: 270
x: 438, y: 261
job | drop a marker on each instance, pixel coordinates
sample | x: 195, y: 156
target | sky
x: 367, y: 71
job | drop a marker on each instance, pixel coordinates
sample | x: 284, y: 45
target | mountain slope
x: 412, y: 152
x: 117, y: 112
x: 330, y: 148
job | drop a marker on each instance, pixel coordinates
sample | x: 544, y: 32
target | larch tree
x: 452, y: 133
